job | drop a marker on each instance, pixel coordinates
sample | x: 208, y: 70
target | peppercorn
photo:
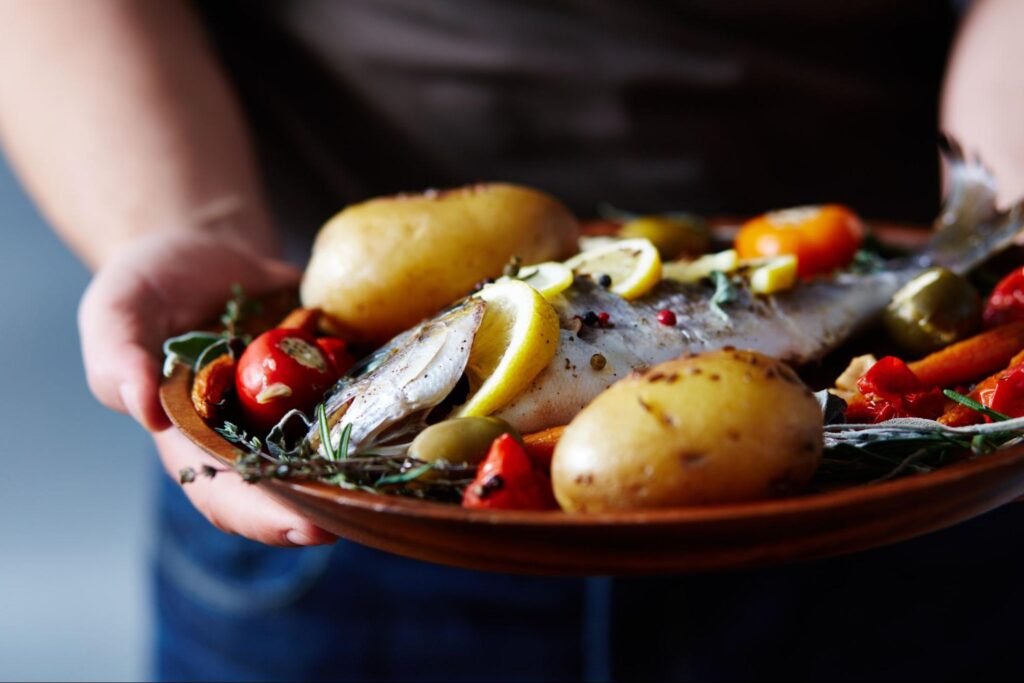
x: 667, y: 317
x: 605, y: 280
x: 590, y: 319
x: 597, y: 361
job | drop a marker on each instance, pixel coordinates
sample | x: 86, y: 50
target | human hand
x: 159, y: 286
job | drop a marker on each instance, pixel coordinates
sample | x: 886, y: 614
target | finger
x: 122, y: 373
x: 234, y: 506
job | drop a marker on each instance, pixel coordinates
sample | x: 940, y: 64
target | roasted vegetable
x: 282, y: 370
x: 959, y: 415
x: 212, y: 384
x: 717, y: 427
x: 935, y: 309
x: 672, y: 235
x: 507, y: 480
x: 382, y: 266
x: 460, y: 440
x: 823, y: 238
x: 1006, y: 302
x: 891, y: 390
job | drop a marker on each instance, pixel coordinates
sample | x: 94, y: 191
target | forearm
x: 983, y: 98
x: 120, y: 123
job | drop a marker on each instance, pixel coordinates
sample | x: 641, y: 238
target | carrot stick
x: 960, y: 415
x: 966, y: 361
x: 540, y: 446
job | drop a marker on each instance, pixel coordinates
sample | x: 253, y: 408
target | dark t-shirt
x: 714, y: 106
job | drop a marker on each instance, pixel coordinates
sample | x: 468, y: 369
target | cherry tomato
x: 507, y: 480
x: 281, y: 370
x: 336, y: 351
x: 822, y: 238
x: 1006, y: 302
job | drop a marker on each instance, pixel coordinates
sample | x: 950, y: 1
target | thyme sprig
x: 861, y: 453
x: 195, y: 349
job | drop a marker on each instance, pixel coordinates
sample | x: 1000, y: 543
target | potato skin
x: 719, y: 427
x: 380, y: 267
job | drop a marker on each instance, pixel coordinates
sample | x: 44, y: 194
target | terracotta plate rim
x: 175, y: 397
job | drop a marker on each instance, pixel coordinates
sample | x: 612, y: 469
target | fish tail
x: 970, y: 228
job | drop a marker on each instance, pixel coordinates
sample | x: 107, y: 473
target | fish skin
x: 797, y: 326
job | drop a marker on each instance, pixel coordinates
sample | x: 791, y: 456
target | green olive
x: 672, y: 235
x: 935, y: 309
x: 460, y: 440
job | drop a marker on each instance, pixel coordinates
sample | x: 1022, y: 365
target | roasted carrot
x: 540, y: 446
x: 966, y: 361
x: 960, y: 415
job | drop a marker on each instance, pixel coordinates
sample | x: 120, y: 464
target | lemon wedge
x: 549, y: 278
x: 690, y: 271
x: 634, y: 266
x: 778, y: 274
x: 518, y: 337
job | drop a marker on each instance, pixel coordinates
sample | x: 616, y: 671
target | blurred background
x: 73, y: 593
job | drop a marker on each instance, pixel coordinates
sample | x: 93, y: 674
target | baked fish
x: 415, y: 378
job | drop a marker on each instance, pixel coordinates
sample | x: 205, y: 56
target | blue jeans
x: 943, y: 607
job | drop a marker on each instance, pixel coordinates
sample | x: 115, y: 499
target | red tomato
x: 822, y: 238
x: 337, y: 353
x: 1006, y: 302
x: 507, y: 480
x: 281, y: 370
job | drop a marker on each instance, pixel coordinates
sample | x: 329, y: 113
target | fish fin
x: 970, y: 228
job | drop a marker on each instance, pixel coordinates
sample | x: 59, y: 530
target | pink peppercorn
x: 667, y: 317
x: 603, y: 318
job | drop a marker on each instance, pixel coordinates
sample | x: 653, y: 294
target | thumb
x: 117, y: 327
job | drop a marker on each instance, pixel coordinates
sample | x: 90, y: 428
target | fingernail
x: 296, y: 537
x: 130, y: 401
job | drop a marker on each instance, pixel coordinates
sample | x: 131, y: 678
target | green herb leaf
x: 725, y: 292
x: 187, y: 349
x: 974, y: 405
x: 325, y: 434
x: 346, y: 434
x: 405, y: 477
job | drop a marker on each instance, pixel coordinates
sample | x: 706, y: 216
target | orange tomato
x: 822, y: 238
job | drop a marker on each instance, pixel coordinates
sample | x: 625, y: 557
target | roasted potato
x: 718, y: 427
x: 380, y: 267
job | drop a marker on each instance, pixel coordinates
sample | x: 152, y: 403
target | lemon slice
x: 690, y: 271
x: 776, y: 275
x: 549, y: 278
x: 517, y: 339
x: 633, y: 266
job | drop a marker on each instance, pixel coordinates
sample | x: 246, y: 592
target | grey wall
x: 74, y: 478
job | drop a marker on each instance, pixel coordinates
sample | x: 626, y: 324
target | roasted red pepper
x: 1008, y: 395
x: 1006, y: 302
x: 507, y: 480
x: 893, y: 390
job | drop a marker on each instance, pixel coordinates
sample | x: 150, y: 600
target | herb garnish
x: 725, y: 292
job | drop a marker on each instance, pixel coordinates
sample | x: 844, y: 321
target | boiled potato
x: 380, y: 267
x: 717, y: 427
